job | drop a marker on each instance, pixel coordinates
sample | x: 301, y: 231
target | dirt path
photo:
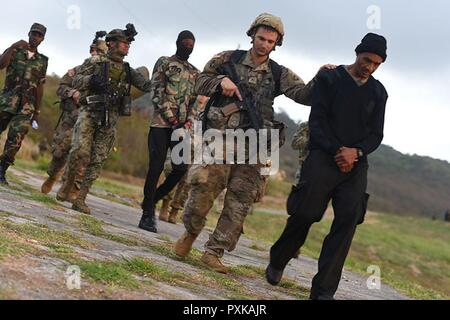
x: 112, y: 238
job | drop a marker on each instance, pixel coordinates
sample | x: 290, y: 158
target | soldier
x: 266, y: 80
x: 62, y: 139
x: 21, y: 98
x: 172, y: 95
x: 105, y: 85
x: 346, y: 125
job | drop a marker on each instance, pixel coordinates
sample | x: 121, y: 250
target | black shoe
x: 322, y: 298
x: 273, y: 275
x: 148, y: 222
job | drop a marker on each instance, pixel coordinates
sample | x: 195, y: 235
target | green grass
x: 44, y: 235
x: 120, y: 189
x: 94, y: 227
x: 109, y: 273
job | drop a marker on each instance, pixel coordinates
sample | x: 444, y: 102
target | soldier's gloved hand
x: 97, y: 83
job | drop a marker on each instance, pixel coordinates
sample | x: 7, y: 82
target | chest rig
x: 262, y: 86
x: 116, y: 96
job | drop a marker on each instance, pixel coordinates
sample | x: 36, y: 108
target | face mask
x: 183, y: 52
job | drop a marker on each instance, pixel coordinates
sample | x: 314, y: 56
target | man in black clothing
x: 346, y: 124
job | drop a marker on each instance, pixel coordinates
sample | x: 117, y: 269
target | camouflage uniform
x: 91, y: 139
x: 300, y: 142
x: 173, y: 91
x: 17, y: 101
x: 243, y: 182
x: 62, y: 139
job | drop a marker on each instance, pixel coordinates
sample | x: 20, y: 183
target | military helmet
x: 269, y: 20
x: 99, y: 45
x: 126, y: 35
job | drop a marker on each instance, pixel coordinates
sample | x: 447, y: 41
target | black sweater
x: 345, y: 114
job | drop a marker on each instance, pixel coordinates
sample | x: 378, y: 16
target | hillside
x: 400, y: 184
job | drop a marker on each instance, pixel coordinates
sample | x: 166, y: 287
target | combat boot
x: 66, y: 188
x: 4, y: 165
x: 164, y: 213
x: 148, y: 221
x: 184, y: 245
x: 213, y: 262
x: 80, y: 203
x: 47, y: 186
x: 173, y: 216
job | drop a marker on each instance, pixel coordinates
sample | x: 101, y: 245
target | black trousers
x: 321, y: 182
x: 159, y: 143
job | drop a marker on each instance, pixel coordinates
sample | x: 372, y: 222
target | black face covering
x: 184, y: 52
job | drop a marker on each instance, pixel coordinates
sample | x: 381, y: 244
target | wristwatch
x: 360, y: 153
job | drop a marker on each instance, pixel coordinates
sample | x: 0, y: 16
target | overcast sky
x: 416, y: 74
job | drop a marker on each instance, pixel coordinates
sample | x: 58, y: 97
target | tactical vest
x: 264, y: 91
x: 120, y: 79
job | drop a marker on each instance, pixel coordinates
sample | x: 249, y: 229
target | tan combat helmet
x: 98, y: 44
x: 267, y: 19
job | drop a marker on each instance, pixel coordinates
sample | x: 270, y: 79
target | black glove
x: 97, y: 83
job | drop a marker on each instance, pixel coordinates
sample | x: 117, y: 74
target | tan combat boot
x: 173, y: 216
x: 214, y: 263
x: 47, y: 186
x: 184, y: 244
x: 164, y: 213
x: 80, y: 203
x: 66, y: 188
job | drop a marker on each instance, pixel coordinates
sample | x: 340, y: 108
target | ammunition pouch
x: 125, y: 107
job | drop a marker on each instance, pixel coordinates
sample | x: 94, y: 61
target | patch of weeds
x: 164, y: 238
x: 255, y: 247
x: 108, y: 273
x: 11, y: 247
x: 147, y: 268
x: 247, y: 271
x: 57, y: 220
x: 44, y: 235
x: 5, y: 214
x: 94, y: 227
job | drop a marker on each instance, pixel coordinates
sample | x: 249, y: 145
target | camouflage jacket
x: 172, y: 92
x: 261, y: 82
x: 91, y: 66
x: 23, y: 77
x: 65, y: 92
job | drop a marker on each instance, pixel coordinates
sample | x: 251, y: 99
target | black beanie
x: 373, y: 43
x: 186, y: 34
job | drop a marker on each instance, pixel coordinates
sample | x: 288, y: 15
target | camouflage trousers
x: 93, y: 142
x: 178, y: 196
x: 61, y: 145
x: 243, y: 183
x: 19, y: 125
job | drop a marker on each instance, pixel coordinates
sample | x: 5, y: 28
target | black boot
x: 148, y: 221
x: 273, y: 276
x: 4, y: 165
